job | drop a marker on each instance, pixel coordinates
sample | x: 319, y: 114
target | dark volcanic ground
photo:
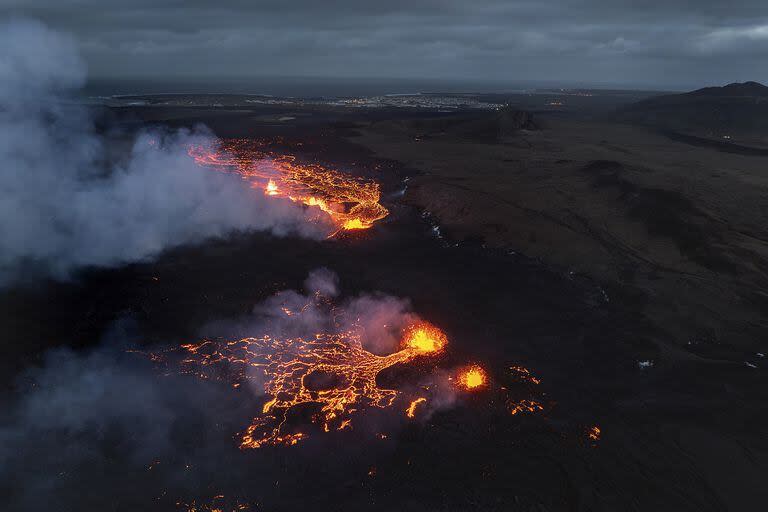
x: 682, y: 434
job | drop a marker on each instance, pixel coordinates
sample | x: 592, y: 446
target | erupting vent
x: 321, y: 382
x: 473, y: 378
x: 424, y: 338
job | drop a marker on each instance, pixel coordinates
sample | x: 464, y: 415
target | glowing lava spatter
x: 523, y: 374
x: 473, y: 377
x: 350, y: 202
x: 424, y: 337
x: 333, y: 371
x: 523, y: 406
x: 326, y: 378
x: 216, y: 504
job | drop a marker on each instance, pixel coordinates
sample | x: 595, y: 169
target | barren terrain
x: 676, y: 229
x: 624, y: 269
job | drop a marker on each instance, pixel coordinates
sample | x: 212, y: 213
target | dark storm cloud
x: 585, y: 40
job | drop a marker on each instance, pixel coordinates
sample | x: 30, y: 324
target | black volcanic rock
x: 481, y: 126
x: 511, y: 120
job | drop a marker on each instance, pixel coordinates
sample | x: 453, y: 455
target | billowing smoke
x: 379, y: 319
x: 88, y: 429
x: 66, y: 202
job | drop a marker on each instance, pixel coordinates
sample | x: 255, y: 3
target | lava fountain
x: 424, y: 338
x: 473, y: 378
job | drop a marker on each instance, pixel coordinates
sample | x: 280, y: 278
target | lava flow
x: 333, y: 371
x: 411, y: 410
x: 350, y: 202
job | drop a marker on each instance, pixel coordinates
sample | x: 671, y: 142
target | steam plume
x: 87, y: 429
x: 64, y: 205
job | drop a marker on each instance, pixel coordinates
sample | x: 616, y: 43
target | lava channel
x: 350, y: 202
x: 333, y: 371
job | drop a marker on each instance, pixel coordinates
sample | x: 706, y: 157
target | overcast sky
x: 664, y: 42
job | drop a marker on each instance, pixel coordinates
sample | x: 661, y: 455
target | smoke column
x: 64, y: 205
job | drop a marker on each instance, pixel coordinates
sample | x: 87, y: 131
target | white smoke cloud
x: 323, y: 281
x: 64, y: 205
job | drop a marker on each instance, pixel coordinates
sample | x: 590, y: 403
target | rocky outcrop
x: 510, y: 120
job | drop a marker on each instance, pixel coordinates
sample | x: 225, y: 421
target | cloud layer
x: 671, y: 42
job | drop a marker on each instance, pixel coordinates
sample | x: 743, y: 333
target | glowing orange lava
x: 473, y: 378
x: 593, y: 433
x: 524, y: 406
x: 355, y: 224
x: 411, y: 411
x: 215, y: 504
x: 351, y: 203
x: 333, y: 371
x: 424, y: 338
x: 523, y: 374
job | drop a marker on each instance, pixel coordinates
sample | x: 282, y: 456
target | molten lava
x: 355, y: 224
x: 424, y: 338
x: 411, y: 410
x: 351, y: 203
x: 327, y: 378
x: 216, y: 504
x: 333, y: 371
x: 473, y: 378
x: 524, y: 406
x: 523, y: 374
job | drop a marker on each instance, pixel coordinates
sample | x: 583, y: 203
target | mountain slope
x: 736, y: 112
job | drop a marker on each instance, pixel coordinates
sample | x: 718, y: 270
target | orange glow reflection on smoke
x: 333, y: 371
